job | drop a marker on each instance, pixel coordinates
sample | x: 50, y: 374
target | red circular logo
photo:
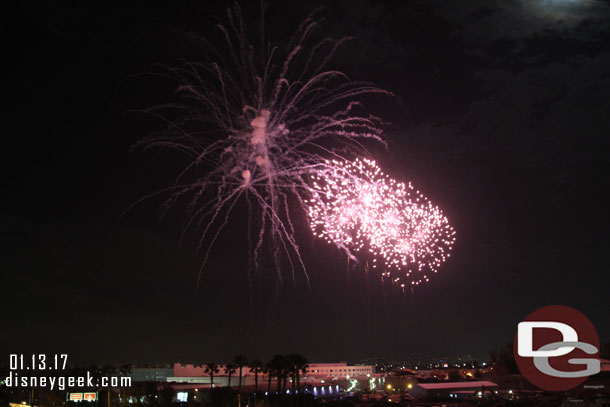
x: 548, y: 339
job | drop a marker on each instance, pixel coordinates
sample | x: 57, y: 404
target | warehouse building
x: 455, y: 390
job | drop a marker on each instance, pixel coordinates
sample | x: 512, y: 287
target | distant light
x: 389, y: 386
x: 409, y: 386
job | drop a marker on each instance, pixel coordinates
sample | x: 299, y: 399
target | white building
x: 150, y: 374
x: 457, y: 390
x: 314, y: 372
x: 338, y: 370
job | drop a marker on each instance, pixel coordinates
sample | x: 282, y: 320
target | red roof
x: 456, y: 385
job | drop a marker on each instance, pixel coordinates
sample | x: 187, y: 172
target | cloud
x: 545, y: 115
x: 489, y: 20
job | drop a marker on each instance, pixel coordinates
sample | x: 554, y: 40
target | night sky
x: 502, y: 119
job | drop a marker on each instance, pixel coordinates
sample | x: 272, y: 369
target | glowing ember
x: 361, y: 210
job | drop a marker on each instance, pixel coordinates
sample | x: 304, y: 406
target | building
x: 403, y: 380
x: 449, y: 390
x: 181, y: 370
x: 338, y: 370
x: 314, y: 373
x: 196, y: 376
x: 150, y: 374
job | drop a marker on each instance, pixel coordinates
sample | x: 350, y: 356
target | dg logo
x: 557, y: 348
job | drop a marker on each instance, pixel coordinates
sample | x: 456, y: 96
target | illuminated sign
x: 75, y: 396
x: 90, y: 396
x: 182, y: 396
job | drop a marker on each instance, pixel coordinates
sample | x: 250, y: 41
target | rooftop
x: 456, y: 385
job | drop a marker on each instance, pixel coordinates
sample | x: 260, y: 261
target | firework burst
x: 364, y: 212
x: 255, y: 124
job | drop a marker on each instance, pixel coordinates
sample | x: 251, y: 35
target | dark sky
x: 504, y: 125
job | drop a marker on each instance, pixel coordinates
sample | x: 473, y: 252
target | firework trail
x: 255, y: 124
x: 363, y: 211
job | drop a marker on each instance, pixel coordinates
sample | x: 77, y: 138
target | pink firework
x: 363, y: 211
x: 253, y: 122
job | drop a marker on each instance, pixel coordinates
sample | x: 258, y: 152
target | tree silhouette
x: 296, y: 364
x: 281, y: 369
x: 257, y: 367
x: 240, y: 361
x: 229, y: 370
x: 503, y: 360
x: 268, y: 369
x: 211, y: 368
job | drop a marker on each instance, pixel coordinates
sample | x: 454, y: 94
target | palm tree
x: 211, y: 368
x: 270, y: 372
x: 290, y: 364
x: 240, y: 361
x: 229, y: 370
x: 279, y: 368
x: 298, y: 364
x: 256, y: 366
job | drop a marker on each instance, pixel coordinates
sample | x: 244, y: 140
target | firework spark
x: 254, y: 125
x: 363, y: 211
